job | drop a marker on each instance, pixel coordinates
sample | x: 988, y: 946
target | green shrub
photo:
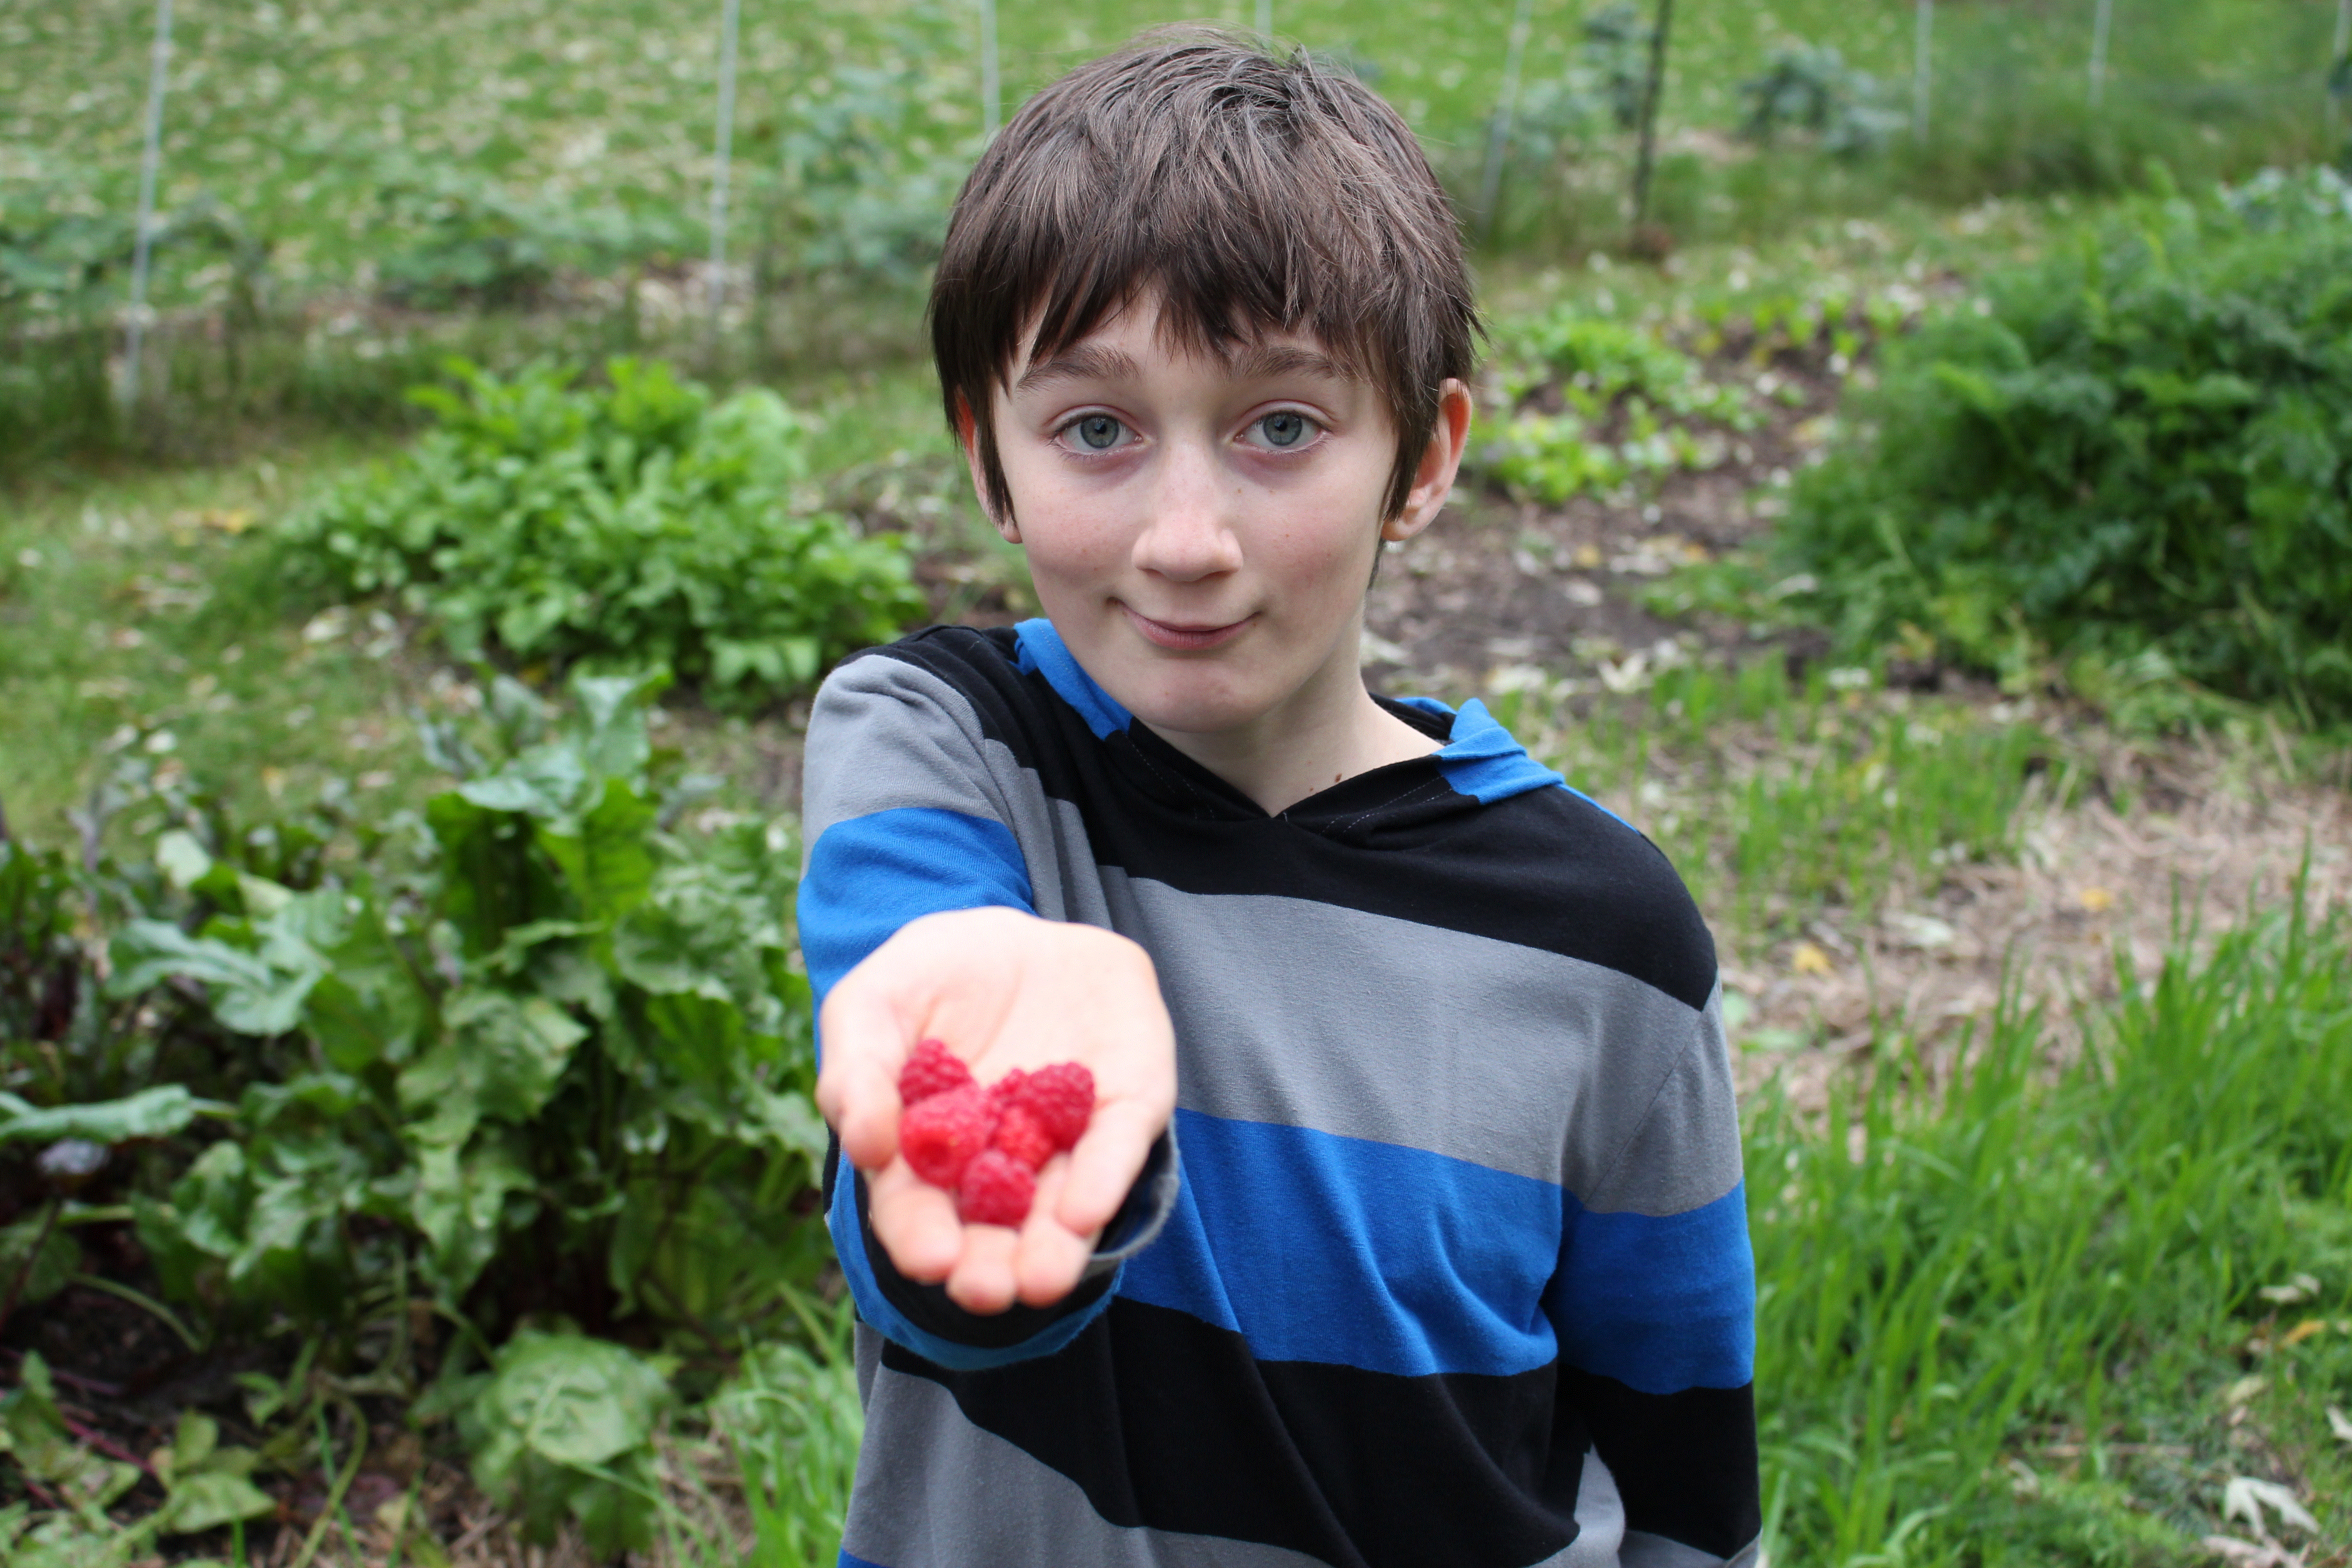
x: 456, y: 237
x: 537, y: 1061
x: 2137, y: 446
x: 630, y: 524
x: 1630, y: 406
x: 1809, y: 87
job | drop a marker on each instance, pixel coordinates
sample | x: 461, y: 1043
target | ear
x: 968, y: 438
x: 1433, y: 480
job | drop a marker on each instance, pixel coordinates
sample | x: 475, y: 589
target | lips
x: 1182, y: 637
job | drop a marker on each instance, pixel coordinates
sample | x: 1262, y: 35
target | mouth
x: 1182, y: 637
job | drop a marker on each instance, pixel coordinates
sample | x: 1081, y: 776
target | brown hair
x: 1251, y: 191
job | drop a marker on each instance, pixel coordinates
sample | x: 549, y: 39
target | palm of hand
x: 1004, y: 990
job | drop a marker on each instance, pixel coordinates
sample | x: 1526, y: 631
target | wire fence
x: 2127, y: 47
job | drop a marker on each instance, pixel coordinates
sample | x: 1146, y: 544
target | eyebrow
x: 1082, y: 362
x: 1264, y: 362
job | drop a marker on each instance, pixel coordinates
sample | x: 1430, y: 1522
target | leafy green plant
x: 632, y: 523
x: 57, y: 243
x: 1810, y: 88
x: 855, y: 175
x: 565, y: 1039
x: 2139, y: 444
x: 562, y: 1428
x: 1629, y: 405
x: 204, y: 1483
x: 537, y: 1057
x: 463, y: 238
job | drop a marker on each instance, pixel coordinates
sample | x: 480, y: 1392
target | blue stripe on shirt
x: 870, y: 875
x: 1659, y: 1304
x: 1481, y: 759
x: 1318, y: 1248
x: 1043, y: 652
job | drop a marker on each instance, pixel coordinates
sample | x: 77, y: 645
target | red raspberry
x: 1061, y: 1099
x: 940, y: 1135
x: 1005, y: 1090
x: 930, y: 1069
x: 1019, y: 1136
x: 996, y: 1190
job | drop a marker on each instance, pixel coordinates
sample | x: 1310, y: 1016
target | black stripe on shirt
x: 1546, y: 869
x: 1167, y: 1422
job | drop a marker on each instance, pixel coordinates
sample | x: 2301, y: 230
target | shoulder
x: 1586, y: 885
x: 963, y: 678
x: 964, y: 659
x: 923, y: 721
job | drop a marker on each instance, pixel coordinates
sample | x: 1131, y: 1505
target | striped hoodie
x: 1452, y: 1271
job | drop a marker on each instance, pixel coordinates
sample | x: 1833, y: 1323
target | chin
x: 1196, y: 700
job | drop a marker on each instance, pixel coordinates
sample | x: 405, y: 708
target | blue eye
x: 1099, y: 432
x: 1284, y: 429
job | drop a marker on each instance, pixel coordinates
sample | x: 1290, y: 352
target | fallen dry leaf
x: 2245, y: 1496
x: 1807, y: 958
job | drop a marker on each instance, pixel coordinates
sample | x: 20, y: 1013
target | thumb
x: 864, y: 1045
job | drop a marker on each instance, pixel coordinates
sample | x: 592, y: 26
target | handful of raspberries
x: 985, y: 1144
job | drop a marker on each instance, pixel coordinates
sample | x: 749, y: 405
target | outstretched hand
x: 1002, y: 990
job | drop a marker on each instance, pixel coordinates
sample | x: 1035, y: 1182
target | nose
x: 1188, y: 536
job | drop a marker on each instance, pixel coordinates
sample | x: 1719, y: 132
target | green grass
x: 130, y: 618
x: 2007, y: 1318
x: 283, y: 111
x: 1779, y: 798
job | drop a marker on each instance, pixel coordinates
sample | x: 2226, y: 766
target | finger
x: 1104, y: 1165
x: 1049, y: 1257
x: 858, y: 1088
x: 915, y: 1222
x: 982, y: 1279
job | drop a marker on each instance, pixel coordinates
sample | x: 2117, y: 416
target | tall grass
x: 2033, y: 1269
x: 1778, y: 796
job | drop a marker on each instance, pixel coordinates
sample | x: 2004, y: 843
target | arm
x: 1655, y: 1306
x: 915, y: 918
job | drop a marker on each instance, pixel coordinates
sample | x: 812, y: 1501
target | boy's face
x: 1202, y: 531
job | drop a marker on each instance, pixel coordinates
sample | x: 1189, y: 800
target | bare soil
x: 2170, y: 838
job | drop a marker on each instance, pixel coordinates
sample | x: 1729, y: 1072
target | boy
x: 1452, y: 1267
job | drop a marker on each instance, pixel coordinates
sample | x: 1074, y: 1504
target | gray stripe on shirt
x: 1313, y: 1014
x: 921, y: 744
x: 1307, y: 1014
x: 1005, y: 1510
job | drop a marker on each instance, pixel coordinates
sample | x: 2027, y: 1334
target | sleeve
x: 908, y: 813
x: 1655, y: 1307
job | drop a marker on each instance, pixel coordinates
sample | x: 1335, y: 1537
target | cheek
x: 1324, y: 543
x: 1066, y: 530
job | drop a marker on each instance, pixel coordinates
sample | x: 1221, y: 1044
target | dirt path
x: 2168, y: 836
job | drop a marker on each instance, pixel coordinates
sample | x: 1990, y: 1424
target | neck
x: 1326, y: 732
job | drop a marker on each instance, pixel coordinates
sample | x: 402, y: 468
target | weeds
x: 2121, y: 454
x: 1966, y: 1285
x: 635, y: 524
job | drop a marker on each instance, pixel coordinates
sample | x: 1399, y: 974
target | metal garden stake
x: 1653, y: 90
x: 1921, y: 70
x: 721, y: 145
x: 2101, y: 19
x: 143, y: 242
x: 1507, y: 103
x: 989, y: 81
